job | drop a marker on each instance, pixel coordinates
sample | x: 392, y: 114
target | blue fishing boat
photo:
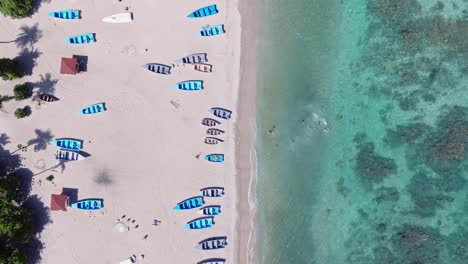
x: 189, y: 85
x: 204, y: 11
x: 211, y: 31
x: 67, y: 143
x: 215, y: 157
x: 210, y: 210
x: 190, y: 203
x: 67, y: 155
x: 200, y: 223
x: 93, y: 109
x: 88, y: 204
x: 66, y: 14
x: 81, y: 39
x: 212, y: 191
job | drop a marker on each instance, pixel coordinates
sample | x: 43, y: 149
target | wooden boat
x: 48, y: 98
x: 211, y: 31
x: 210, y: 210
x: 81, y: 39
x: 190, y: 203
x: 158, y: 68
x: 65, y: 14
x: 212, y: 243
x: 93, y: 109
x: 212, y: 191
x: 200, y: 223
x: 119, y: 18
x: 212, y: 140
x: 67, y: 143
x: 68, y: 155
x: 215, y: 157
x: 204, y: 12
x: 210, y: 122
x: 221, y: 112
x: 193, y: 58
x: 212, y: 261
x: 88, y: 204
x: 203, y: 67
x: 195, y: 85
x: 214, y: 131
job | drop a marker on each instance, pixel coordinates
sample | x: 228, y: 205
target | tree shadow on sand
x: 4, y: 140
x: 36, y: 4
x: 103, y: 178
x: 29, y: 36
x: 9, y: 162
x: 45, y: 86
x: 27, y: 58
x: 42, y: 139
x: 60, y: 165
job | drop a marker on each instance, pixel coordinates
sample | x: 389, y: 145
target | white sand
x: 143, y: 145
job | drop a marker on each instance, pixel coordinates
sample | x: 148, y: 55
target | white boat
x: 119, y: 18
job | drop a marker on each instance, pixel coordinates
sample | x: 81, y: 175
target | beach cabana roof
x: 58, y: 202
x: 69, y: 66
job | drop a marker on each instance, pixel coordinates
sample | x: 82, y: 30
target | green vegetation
x: 50, y: 178
x: 21, y: 91
x: 16, y: 8
x: 21, y: 113
x: 10, y: 69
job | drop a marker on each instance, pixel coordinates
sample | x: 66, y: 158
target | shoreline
x: 245, y: 251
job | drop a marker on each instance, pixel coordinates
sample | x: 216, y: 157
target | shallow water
x: 386, y: 184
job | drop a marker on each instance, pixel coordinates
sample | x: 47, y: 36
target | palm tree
x: 42, y: 139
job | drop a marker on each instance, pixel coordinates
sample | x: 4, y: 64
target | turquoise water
x: 387, y: 183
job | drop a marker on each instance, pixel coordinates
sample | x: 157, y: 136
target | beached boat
x: 214, y: 131
x: 65, y: 14
x: 200, y: 223
x: 190, y: 203
x: 211, y: 31
x: 212, y: 243
x: 221, y: 112
x: 119, y: 18
x: 215, y: 157
x: 88, y: 204
x: 212, y: 191
x: 212, y: 261
x: 67, y: 143
x: 48, y: 98
x: 193, y: 58
x: 210, y: 122
x: 203, y: 67
x: 81, y: 39
x: 158, y: 68
x: 93, y: 109
x: 195, y: 85
x: 68, y: 155
x: 210, y: 210
x: 204, y: 12
x: 213, y: 140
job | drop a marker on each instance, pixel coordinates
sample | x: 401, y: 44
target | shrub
x: 10, y: 69
x: 16, y: 8
x: 21, y: 113
x: 21, y: 91
x: 50, y: 178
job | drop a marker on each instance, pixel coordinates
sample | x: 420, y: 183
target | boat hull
x: 214, y: 131
x: 189, y: 85
x: 67, y: 155
x: 68, y: 144
x: 93, y: 109
x: 88, y: 204
x: 190, y: 203
x: 215, y: 157
x: 212, y: 192
x: 119, y: 18
x: 81, y: 39
x: 201, y: 67
x: 158, y: 68
x: 210, y: 210
x: 204, y: 12
x: 65, y: 14
x: 193, y: 58
x: 211, y: 31
x: 48, y: 98
x: 212, y: 140
x: 213, y: 261
x: 200, y: 223
x: 210, y: 122
x: 221, y: 112
x: 212, y: 243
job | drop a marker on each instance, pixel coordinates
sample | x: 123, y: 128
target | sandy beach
x: 143, y: 148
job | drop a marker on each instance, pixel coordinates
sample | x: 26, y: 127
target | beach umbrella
x: 69, y: 66
x: 58, y: 202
